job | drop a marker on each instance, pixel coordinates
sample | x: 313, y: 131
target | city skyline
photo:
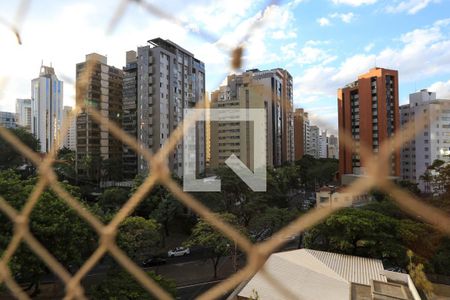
x: 323, y: 49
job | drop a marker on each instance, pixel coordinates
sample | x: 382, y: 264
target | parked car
x: 179, y: 251
x: 154, y: 261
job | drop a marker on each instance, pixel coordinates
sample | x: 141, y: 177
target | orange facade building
x: 368, y: 113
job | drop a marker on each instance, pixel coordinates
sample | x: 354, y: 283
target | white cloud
x: 354, y: 2
x: 442, y: 89
x: 423, y: 53
x: 323, y: 21
x: 369, y: 47
x: 410, y: 6
x: 346, y: 18
x: 64, y: 34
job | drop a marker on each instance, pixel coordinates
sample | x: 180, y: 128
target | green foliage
x: 274, y: 219
x: 138, y: 237
x: 441, y: 182
x: 416, y: 271
x: 167, y: 208
x: 387, y: 208
x: 440, y: 261
x: 205, y: 235
x: 112, y: 199
x: 370, y: 234
x: 111, y: 169
x: 411, y: 187
x: 120, y: 285
x: 316, y: 172
x: 64, y: 166
x: 159, y: 204
x: 9, y: 157
x: 52, y: 222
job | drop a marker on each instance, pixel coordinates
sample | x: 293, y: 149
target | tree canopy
x: 120, y: 285
x: 138, y: 237
x: 205, y: 235
x: 9, y: 157
x: 52, y: 222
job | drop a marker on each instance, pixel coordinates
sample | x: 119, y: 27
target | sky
x: 324, y: 44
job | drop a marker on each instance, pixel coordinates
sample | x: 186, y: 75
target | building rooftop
x: 168, y: 45
x: 311, y: 274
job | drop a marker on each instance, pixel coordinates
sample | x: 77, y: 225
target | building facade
x: 24, y: 113
x: 169, y: 80
x: 8, y: 119
x: 314, y: 148
x: 323, y: 145
x: 94, y: 143
x: 432, y: 140
x: 369, y: 115
x: 333, y: 147
x: 46, y: 107
x: 270, y: 90
x: 302, y: 134
x: 130, y: 110
x: 70, y: 138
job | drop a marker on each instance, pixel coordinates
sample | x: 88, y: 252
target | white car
x: 179, y: 251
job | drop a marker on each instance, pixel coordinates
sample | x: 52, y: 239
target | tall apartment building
x: 333, y: 147
x: 314, y: 149
x: 271, y: 90
x: 8, y: 119
x: 432, y: 140
x: 47, y: 105
x: 70, y: 138
x: 302, y: 134
x: 130, y: 110
x: 323, y: 145
x: 169, y: 79
x: 24, y: 113
x: 103, y: 93
x: 368, y: 113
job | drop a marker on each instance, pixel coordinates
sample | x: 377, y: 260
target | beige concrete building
x: 70, y: 138
x: 270, y: 90
x: 104, y: 93
x: 302, y: 133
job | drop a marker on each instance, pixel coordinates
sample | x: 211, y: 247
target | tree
x: 166, y: 211
x: 313, y: 172
x: 370, y: 234
x: 441, y: 181
x: 441, y: 259
x: 65, y: 165
x: 138, y: 237
x: 112, y: 199
x: 427, y: 179
x: 273, y: 219
x: 411, y: 187
x: 9, y: 157
x: 234, y: 190
x: 52, y: 222
x: 204, y: 235
x: 120, y: 285
x: 111, y: 169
